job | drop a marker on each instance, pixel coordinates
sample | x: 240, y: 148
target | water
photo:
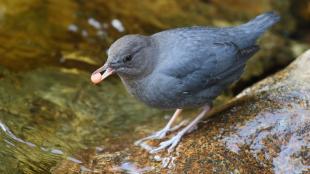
x: 50, y: 113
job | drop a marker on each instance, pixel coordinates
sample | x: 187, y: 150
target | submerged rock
x: 265, y: 129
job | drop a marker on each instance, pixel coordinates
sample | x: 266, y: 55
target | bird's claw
x: 171, y: 143
x: 161, y: 133
x: 155, y: 136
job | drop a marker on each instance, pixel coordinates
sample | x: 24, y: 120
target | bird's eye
x: 127, y: 58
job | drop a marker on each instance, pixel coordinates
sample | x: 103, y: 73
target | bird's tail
x: 262, y: 22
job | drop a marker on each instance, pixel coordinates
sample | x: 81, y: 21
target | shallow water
x: 49, y: 110
x: 52, y: 113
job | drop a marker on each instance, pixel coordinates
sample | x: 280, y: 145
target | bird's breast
x: 145, y: 91
x: 137, y: 88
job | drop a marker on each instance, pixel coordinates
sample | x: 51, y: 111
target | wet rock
x: 265, y: 129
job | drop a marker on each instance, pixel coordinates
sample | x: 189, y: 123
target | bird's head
x: 130, y: 57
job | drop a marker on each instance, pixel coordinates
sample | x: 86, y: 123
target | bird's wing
x: 219, y: 63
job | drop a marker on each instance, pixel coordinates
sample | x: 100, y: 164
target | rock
x: 265, y: 129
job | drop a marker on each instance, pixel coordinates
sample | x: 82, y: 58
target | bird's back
x: 242, y: 35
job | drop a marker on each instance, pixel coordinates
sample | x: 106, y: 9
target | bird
x: 183, y: 68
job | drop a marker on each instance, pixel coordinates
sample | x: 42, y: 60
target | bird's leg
x: 163, y: 132
x: 173, y: 142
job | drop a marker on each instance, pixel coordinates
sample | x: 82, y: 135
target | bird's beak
x: 101, y: 74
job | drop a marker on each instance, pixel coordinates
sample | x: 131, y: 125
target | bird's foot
x: 171, y: 143
x: 161, y: 133
x: 156, y: 135
x: 174, y: 141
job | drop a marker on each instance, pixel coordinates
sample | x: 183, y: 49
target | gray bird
x: 183, y: 68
